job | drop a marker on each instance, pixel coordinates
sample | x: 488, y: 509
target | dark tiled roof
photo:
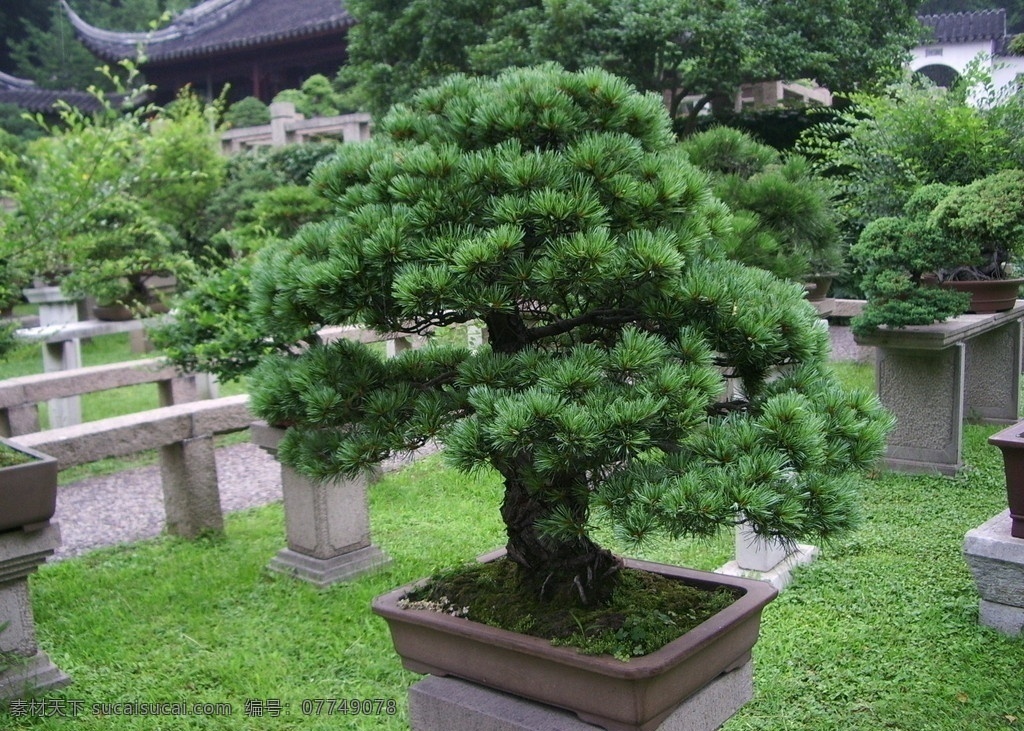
x: 25, y: 94
x: 983, y: 25
x: 215, y: 26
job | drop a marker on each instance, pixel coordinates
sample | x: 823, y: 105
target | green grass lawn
x: 879, y: 633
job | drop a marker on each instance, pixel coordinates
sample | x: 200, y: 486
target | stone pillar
x: 395, y: 346
x: 765, y: 559
x: 188, y: 473
x: 55, y: 308
x: 281, y: 113
x: 28, y: 669
x: 327, y: 524
x: 996, y: 560
x: 991, y: 393
x: 180, y: 390
x: 925, y: 389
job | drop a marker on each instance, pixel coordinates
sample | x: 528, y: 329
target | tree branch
x: 601, y: 318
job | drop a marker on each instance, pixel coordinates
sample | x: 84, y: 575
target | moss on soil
x: 10, y: 456
x: 647, y: 610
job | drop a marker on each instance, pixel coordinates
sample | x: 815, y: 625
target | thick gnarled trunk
x: 577, y: 571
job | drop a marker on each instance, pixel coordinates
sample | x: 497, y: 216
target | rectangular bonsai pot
x: 28, y: 491
x: 600, y: 689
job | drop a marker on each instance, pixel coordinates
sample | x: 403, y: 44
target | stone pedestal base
x: 449, y: 704
x: 326, y: 571
x: 30, y: 669
x: 779, y: 575
x: 30, y: 676
x: 997, y: 561
x: 327, y: 524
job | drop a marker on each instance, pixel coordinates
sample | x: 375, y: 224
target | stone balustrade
x: 20, y: 397
x: 183, y: 434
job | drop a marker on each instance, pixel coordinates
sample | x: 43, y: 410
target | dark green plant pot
x: 818, y: 286
x: 28, y: 491
x: 600, y: 689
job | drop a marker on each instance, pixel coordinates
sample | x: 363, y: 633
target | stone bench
x: 183, y: 434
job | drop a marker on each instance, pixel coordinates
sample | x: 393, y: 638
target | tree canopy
x: 557, y: 208
x: 677, y: 47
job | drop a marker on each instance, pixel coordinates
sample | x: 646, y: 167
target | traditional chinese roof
x: 218, y: 26
x: 982, y: 25
x: 25, y: 94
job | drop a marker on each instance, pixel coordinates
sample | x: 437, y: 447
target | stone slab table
x: 996, y: 560
x: 932, y: 377
x: 31, y: 670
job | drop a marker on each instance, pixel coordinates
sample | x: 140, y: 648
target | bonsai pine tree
x: 557, y: 209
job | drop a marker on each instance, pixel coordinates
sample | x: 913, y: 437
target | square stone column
x: 996, y: 560
x: 925, y: 390
x: 327, y: 524
x: 55, y: 309
x: 28, y: 669
x: 766, y: 560
x: 188, y: 476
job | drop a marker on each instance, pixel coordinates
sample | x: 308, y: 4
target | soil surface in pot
x: 647, y: 610
x: 10, y: 457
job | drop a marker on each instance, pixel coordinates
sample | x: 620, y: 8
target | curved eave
x: 154, y: 55
x: 114, y: 46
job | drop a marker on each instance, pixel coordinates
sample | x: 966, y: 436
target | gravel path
x: 128, y: 506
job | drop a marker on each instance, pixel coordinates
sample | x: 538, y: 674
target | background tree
x: 558, y: 209
x: 884, y: 146
x: 676, y: 47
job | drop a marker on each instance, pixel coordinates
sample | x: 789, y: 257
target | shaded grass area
x: 880, y: 633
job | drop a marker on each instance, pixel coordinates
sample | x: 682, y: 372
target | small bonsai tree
x: 557, y: 208
x: 118, y: 250
x: 900, y: 259
x: 987, y: 216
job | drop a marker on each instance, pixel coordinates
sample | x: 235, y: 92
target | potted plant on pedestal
x: 28, y: 488
x: 988, y: 215
x: 952, y: 251
x: 898, y: 257
x: 557, y: 208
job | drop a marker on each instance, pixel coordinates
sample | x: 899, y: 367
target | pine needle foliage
x: 631, y: 371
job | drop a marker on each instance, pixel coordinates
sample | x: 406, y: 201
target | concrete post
x: 180, y: 390
x: 55, y: 308
x: 281, y: 113
x: 397, y: 345
x: 188, y: 472
x: 765, y: 559
x: 31, y: 670
x: 327, y: 524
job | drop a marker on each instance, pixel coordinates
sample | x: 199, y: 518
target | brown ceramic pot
x: 988, y: 295
x: 600, y: 689
x: 28, y: 491
x: 1011, y: 442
